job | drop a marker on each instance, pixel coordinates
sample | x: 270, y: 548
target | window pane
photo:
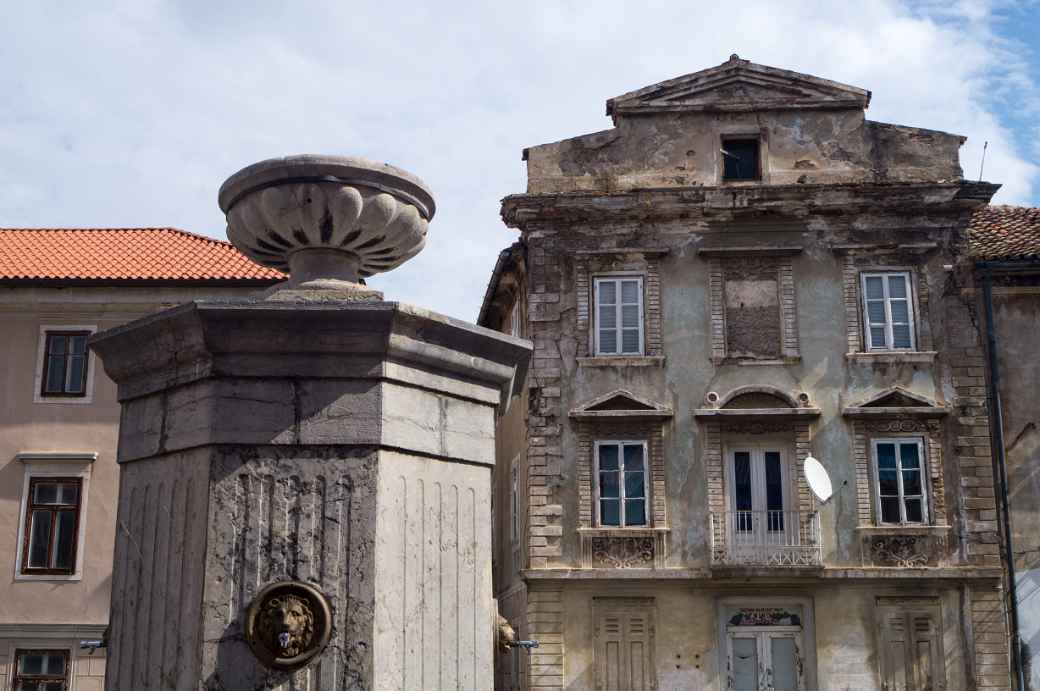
x: 28, y: 686
x: 56, y: 664
x: 901, y: 336
x: 79, y: 345
x: 31, y: 663
x: 77, y: 368
x: 56, y: 345
x: 608, y: 457
x: 607, y: 292
x: 913, y: 510
x: 908, y: 456
x: 55, y: 374
x: 633, y: 457
x: 888, y: 483
x: 890, y: 510
x: 629, y: 292
x: 900, y: 312
x: 876, y: 311
x: 740, y: 159
x: 886, y: 455
x: 608, y: 341
x: 785, y: 662
x: 877, y: 337
x: 875, y: 288
x: 630, y: 341
x: 630, y: 316
x: 69, y: 493
x: 39, y: 538
x: 610, y: 512
x: 45, y: 493
x: 53, y: 686
x: 745, y: 664
x: 635, y: 512
x: 635, y: 485
x: 608, y: 485
x: 64, y: 540
x: 911, y: 482
x: 607, y: 317
x: 897, y: 286
x: 742, y: 480
x: 774, y: 482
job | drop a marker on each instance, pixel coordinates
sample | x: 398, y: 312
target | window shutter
x: 623, y: 651
x: 911, y: 655
x: 927, y: 653
x: 608, y: 653
x: 638, y: 646
x: 893, y: 654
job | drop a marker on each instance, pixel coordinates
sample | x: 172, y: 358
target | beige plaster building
x: 59, y: 422
x: 743, y: 272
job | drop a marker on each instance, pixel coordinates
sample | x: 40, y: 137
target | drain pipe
x: 1000, y: 467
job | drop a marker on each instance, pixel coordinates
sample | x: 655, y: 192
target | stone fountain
x: 305, y: 476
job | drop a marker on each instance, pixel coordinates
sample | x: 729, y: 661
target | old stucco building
x: 743, y: 272
x: 59, y: 421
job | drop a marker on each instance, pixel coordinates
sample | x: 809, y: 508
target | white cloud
x: 135, y: 112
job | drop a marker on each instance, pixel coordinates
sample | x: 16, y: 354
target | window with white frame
x: 888, y: 312
x: 619, y: 315
x: 621, y: 483
x: 901, y: 491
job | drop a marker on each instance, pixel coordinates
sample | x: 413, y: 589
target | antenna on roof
x: 983, y: 164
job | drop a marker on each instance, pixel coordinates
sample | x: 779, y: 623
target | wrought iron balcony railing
x: 766, y: 538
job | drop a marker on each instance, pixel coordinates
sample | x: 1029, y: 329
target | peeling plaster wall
x: 799, y: 147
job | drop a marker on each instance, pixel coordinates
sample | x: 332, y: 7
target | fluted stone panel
x: 433, y: 629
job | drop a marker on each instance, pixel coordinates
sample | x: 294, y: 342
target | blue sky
x: 132, y: 112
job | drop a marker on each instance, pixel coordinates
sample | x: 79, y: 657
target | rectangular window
x: 51, y: 526
x: 65, y: 364
x: 41, y: 670
x: 888, y: 315
x: 619, y: 316
x: 740, y: 159
x: 621, y: 483
x: 900, y: 477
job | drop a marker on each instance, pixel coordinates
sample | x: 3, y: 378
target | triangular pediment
x: 740, y: 85
x: 621, y: 403
x: 897, y: 397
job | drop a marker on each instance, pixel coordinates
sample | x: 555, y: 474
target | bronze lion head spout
x: 288, y: 624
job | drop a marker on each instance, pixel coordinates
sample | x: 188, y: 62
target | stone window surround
x: 620, y: 443
x: 725, y: 603
x: 619, y: 262
x: 929, y: 431
x: 88, y: 395
x: 783, y: 257
x: 793, y: 434
x: 610, y: 538
x: 874, y: 260
x: 43, y: 465
x: 616, y: 278
x: 66, y: 647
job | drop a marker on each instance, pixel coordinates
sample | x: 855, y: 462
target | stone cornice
x: 724, y: 203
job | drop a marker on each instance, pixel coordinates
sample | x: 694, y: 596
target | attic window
x: 740, y: 160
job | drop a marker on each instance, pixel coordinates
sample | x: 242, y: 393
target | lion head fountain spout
x: 329, y: 221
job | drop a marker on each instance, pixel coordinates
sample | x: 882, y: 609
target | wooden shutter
x: 911, y: 647
x: 624, y: 635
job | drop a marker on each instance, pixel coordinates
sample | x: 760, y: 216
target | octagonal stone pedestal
x: 346, y: 444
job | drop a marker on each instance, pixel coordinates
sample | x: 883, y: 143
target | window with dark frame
x: 740, y: 159
x: 65, y: 364
x: 621, y: 483
x: 41, y: 670
x: 51, y: 526
x: 902, y: 496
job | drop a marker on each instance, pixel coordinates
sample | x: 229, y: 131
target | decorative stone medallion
x: 623, y: 552
x: 287, y: 624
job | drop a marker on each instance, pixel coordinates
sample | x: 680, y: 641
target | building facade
x: 59, y: 421
x: 743, y: 272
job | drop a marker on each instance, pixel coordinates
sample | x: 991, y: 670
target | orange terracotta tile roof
x: 100, y: 255
x: 1005, y: 232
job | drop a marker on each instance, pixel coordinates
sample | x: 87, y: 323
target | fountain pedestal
x: 305, y: 478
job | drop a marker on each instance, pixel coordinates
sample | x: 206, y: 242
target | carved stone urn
x: 329, y: 221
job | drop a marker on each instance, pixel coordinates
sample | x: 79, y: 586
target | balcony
x: 779, y: 539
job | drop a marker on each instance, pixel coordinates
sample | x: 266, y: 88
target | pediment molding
x: 739, y: 86
x: 621, y: 403
x: 896, y: 401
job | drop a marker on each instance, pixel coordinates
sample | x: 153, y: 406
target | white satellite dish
x: 818, y: 479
